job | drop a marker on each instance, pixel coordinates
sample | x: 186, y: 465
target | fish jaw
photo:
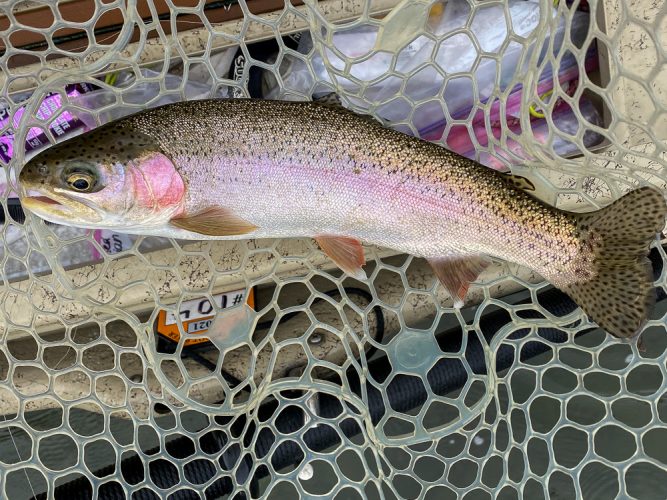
x: 59, y: 209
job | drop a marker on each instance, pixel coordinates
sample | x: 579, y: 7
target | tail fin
x: 621, y: 295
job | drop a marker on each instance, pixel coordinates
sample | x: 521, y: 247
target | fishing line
x: 9, y: 430
x: 18, y: 455
x: 406, y: 394
x: 69, y: 348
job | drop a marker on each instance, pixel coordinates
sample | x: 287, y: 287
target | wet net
x: 324, y: 385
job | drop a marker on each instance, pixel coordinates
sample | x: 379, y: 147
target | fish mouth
x: 42, y: 199
x: 58, y: 209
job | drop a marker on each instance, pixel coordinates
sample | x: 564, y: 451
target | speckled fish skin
x: 305, y: 169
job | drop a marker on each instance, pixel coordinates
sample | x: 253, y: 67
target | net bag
x: 327, y: 386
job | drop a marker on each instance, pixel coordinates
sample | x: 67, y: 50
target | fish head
x: 110, y: 178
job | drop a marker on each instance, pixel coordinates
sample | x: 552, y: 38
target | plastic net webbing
x: 330, y: 386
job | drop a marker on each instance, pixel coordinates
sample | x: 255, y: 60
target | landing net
x: 325, y: 385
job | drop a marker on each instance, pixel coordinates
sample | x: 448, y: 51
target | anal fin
x: 215, y: 221
x: 347, y: 253
x: 456, y: 274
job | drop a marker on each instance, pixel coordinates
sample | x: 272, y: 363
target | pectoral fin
x: 215, y: 221
x: 347, y: 253
x: 456, y: 274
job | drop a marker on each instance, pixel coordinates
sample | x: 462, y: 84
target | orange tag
x: 196, y: 315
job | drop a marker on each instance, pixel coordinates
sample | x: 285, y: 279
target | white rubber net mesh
x: 328, y: 386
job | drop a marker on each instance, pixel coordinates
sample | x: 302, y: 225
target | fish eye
x: 80, y: 181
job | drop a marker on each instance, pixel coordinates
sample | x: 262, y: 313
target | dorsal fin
x: 333, y: 101
x: 518, y: 181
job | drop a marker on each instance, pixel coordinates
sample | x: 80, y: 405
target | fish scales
x: 267, y: 169
x: 296, y: 170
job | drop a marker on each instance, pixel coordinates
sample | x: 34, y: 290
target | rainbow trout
x: 219, y: 169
